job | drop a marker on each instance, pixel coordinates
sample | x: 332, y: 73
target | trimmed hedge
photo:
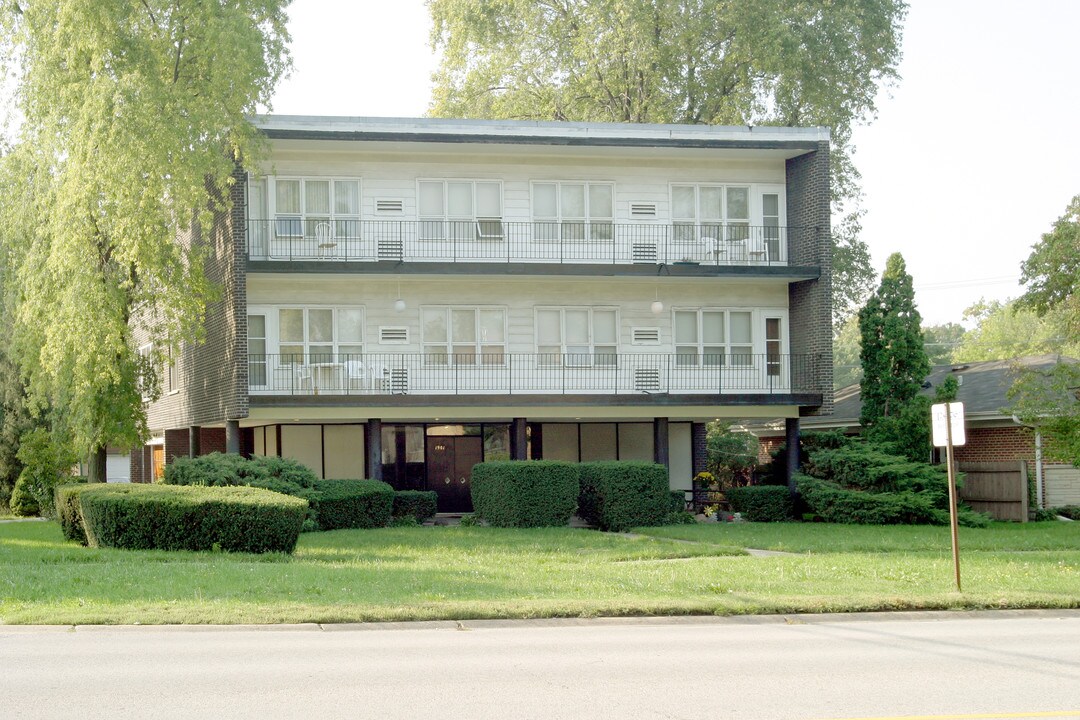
x: 762, y: 503
x: 224, y: 469
x: 419, y: 504
x: 351, y: 503
x: 525, y: 493
x: 236, y: 519
x: 617, y: 496
x: 67, y: 510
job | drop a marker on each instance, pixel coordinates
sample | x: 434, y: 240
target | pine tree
x: 894, y: 363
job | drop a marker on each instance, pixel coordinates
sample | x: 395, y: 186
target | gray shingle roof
x: 983, y: 388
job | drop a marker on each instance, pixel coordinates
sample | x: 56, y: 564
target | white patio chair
x: 304, y: 378
x: 355, y: 375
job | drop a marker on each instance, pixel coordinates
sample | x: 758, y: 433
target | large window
x: 460, y: 210
x: 710, y: 211
x: 320, y: 208
x: 317, y: 335
x: 713, y: 337
x: 582, y: 335
x: 573, y: 210
x: 257, y: 349
x: 463, y: 335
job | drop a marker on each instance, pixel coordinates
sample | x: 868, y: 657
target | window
x: 770, y: 220
x: 172, y: 371
x: 257, y: 349
x: 319, y: 334
x: 146, y: 372
x: 460, y: 210
x: 573, y: 210
x: 774, y: 344
x: 583, y: 336
x: 463, y: 335
x: 713, y: 337
x: 711, y: 211
x: 316, y: 207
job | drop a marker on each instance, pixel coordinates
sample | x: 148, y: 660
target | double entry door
x: 450, y: 461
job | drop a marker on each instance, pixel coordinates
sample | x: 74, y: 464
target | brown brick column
x: 699, y: 447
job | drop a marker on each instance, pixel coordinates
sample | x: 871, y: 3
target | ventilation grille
x: 393, y: 335
x: 391, y: 248
x: 644, y: 253
x: 642, y: 210
x: 647, y: 380
x: 389, y: 206
x: 645, y: 336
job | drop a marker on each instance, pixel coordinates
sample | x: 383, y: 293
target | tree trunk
x: 96, y: 463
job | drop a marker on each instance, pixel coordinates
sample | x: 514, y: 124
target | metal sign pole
x: 952, y: 495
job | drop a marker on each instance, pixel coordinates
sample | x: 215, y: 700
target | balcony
x: 640, y: 374
x: 497, y: 241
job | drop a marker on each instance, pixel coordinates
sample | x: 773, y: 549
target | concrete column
x: 194, y: 441
x: 791, y: 427
x: 373, y: 449
x: 519, y: 441
x: 232, y: 436
x: 661, y: 453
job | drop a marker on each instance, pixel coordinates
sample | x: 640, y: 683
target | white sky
x: 973, y: 155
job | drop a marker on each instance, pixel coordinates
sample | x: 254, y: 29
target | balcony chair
x: 356, y: 377
x: 756, y: 250
x: 324, y: 240
x: 713, y: 250
x: 380, y: 378
x: 305, y: 381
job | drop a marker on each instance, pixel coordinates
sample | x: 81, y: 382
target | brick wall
x: 766, y: 445
x: 810, y: 243
x: 1000, y: 444
x: 213, y: 374
x: 699, y: 448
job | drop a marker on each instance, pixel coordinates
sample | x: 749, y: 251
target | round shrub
x: 351, y: 503
x: 22, y: 502
x: 526, y: 493
x: 67, y: 510
x: 418, y: 504
x: 617, y: 496
x: 236, y: 519
x: 762, y: 503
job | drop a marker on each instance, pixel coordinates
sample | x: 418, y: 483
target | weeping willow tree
x: 133, y: 116
x: 758, y: 62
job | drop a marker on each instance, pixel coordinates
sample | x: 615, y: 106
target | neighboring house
x: 406, y: 298
x: 993, y: 436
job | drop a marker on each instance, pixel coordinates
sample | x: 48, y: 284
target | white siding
x: 520, y: 296
x: 1062, y: 485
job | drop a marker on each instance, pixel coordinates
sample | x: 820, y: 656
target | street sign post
x: 947, y: 420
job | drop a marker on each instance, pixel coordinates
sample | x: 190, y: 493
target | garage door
x: 1062, y: 485
x: 118, y: 468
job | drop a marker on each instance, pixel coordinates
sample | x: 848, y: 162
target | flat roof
x: 535, y: 132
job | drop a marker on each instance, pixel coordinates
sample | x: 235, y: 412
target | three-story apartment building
x: 405, y: 298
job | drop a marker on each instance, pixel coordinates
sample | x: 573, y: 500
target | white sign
x: 955, y: 413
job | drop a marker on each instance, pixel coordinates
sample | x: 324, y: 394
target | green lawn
x: 428, y: 573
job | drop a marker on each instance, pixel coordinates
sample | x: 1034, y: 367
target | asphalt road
x: 918, y: 665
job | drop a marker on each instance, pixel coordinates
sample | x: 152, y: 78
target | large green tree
x: 134, y: 115
x: 1050, y: 400
x: 1009, y: 330
x: 894, y: 364
x: 758, y: 62
x: 1052, y: 271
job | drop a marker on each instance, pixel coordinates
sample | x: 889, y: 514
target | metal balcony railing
x: 495, y: 240
x: 530, y: 373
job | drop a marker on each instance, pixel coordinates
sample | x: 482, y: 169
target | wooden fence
x: 1000, y: 489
